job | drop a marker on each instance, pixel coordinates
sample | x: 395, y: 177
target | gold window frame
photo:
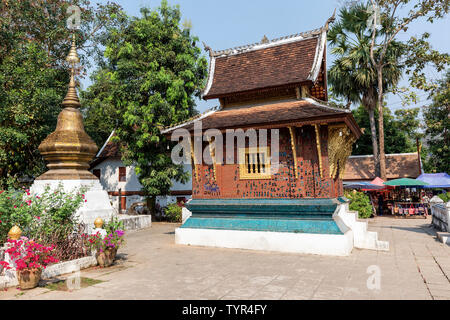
x: 243, y: 174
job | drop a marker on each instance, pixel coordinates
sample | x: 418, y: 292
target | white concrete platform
x: 355, y: 234
x: 325, y: 244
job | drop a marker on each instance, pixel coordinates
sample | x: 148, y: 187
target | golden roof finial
x: 72, y: 57
x: 71, y: 100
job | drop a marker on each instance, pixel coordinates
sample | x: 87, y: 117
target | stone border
x: 136, y: 222
x: 10, y: 278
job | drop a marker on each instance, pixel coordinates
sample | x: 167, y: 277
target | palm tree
x: 352, y: 76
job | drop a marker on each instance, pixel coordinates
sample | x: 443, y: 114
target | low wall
x: 9, y: 277
x: 135, y: 222
x: 441, y: 216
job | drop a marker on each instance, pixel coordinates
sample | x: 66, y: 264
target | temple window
x: 254, y: 163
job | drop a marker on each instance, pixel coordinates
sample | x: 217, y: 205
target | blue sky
x: 224, y: 24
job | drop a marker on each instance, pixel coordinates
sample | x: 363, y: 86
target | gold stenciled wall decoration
x: 340, y: 142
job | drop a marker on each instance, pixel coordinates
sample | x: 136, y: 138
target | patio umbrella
x: 377, y: 181
x: 380, y: 182
x: 406, y: 182
x: 362, y: 185
x: 435, y: 180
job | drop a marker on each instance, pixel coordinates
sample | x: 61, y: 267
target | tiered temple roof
x: 275, y: 114
x: 286, y: 61
x: 273, y: 83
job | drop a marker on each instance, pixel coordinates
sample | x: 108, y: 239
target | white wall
x: 109, y: 178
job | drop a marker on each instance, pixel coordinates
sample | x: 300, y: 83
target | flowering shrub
x: 48, y: 219
x: 112, y: 240
x: 27, y: 254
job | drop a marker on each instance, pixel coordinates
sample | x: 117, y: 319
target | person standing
x: 380, y: 204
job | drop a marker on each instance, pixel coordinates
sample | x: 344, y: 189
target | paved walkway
x: 153, y: 267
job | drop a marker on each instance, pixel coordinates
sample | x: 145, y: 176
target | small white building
x: 122, y: 183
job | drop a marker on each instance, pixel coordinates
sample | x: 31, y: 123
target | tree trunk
x: 373, y: 133
x: 151, y: 205
x: 382, y: 161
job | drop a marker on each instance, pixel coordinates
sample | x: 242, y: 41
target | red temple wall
x: 309, y: 184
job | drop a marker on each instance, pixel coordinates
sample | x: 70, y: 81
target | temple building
x: 295, y: 204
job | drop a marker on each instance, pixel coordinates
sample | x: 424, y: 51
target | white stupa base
x: 97, y: 203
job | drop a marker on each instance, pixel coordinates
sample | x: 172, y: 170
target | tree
x: 352, y: 76
x: 33, y: 76
x: 418, y: 53
x: 400, y: 128
x: 150, y: 74
x: 437, y: 128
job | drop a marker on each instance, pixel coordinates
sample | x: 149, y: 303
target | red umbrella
x: 378, y: 181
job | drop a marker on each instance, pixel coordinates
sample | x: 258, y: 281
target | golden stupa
x: 69, y: 149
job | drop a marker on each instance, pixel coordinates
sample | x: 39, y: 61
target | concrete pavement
x: 153, y: 267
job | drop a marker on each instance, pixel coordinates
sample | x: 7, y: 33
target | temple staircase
x: 362, y: 237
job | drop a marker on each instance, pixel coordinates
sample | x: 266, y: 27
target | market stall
x: 407, y: 199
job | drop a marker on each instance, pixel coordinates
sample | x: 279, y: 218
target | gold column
x: 194, y: 162
x: 69, y: 149
x: 294, y: 150
x: 319, y: 149
x: 212, y: 153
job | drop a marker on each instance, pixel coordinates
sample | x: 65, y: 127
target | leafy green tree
x: 401, y: 130
x: 150, y: 74
x: 33, y: 76
x: 352, y: 76
x: 418, y: 53
x: 437, y: 128
x: 29, y: 104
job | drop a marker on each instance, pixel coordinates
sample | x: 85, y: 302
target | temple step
x: 362, y: 237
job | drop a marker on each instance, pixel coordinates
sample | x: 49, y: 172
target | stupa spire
x: 69, y: 149
x: 71, y: 100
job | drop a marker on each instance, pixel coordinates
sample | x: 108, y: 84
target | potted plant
x: 30, y: 258
x: 105, y: 248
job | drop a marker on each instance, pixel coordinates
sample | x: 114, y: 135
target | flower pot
x: 28, y: 278
x: 106, y: 258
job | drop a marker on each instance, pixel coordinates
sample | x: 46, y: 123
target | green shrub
x: 360, y: 202
x: 173, y: 213
x: 445, y: 196
x: 113, y: 225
